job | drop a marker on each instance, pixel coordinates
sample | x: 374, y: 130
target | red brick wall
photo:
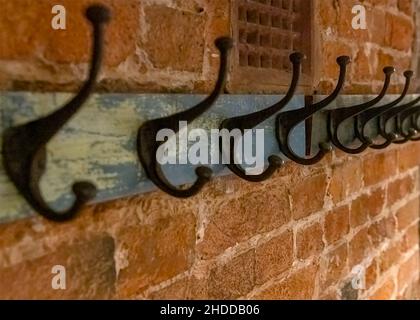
x: 298, y: 235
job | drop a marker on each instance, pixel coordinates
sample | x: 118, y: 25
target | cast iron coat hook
x: 374, y: 113
x: 24, y: 147
x: 337, y: 117
x: 287, y: 121
x: 147, y: 145
x: 395, y: 114
x: 250, y: 121
x: 412, y: 115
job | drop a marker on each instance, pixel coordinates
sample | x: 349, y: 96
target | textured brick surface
x: 226, y: 246
x: 168, y: 45
x: 309, y: 241
x: 298, y: 286
x: 160, y: 46
x: 35, y: 39
x: 169, y: 241
x: 298, y: 235
x: 90, y: 272
x: 337, y: 224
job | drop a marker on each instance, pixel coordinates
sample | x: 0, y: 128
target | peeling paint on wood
x: 99, y: 143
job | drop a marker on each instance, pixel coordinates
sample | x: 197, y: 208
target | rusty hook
x: 376, y: 113
x: 250, y: 121
x: 147, y: 145
x: 24, y: 147
x: 287, y: 121
x: 338, y: 116
x: 395, y: 114
x: 412, y: 115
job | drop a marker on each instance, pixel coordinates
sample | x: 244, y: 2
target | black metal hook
x: 147, y: 145
x: 287, y: 121
x: 250, y: 121
x: 413, y: 131
x: 395, y: 114
x: 24, y: 147
x: 412, y: 115
x: 337, y: 117
x: 376, y: 113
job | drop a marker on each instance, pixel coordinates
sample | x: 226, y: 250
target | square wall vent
x: 266, y: 32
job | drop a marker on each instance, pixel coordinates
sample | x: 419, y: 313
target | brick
x: 337, y: 224
x: 400, y: 189
x: 308, y: 196
x: 336, y: 265
x: 401, y: 32
x: 344, y: 23
x: 298, y: 286
x: 410, y: 238
x: 406, y: 6
x: 342, y: 184
x: 381, y: 230
x: 376, y: 202
x: 384, y: 59
x: 379, y: 166
x: 385, y: 292
x: 389, y: 258
x: 175, y: 291
x: 330, y: 295
x: 359, y: 248
x: 377, y: 27
x: 367, y: 205
x: 410, y: 293
x: 358, y: 88
x: 325, y: 87
x: 328, y: 14
x: 371, y: 274
x: 233, y: 279
x: 273, y: 257
x: 358, y: 213
x: 409, y: 156
x: 189, y: 288
x: 215, y: 242
x: 172, y: 42
x: 150, y: 208
x: 90, y: 272
x: 237, y: 220
x: 408, y: 214
x: 34, y: 38
x: 361, y: 67
x: 309, y: 241
x: 155, y: 253
x: 331, y: 50
x: 408, y: 272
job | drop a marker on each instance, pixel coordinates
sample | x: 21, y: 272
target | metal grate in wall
x: 267, y: 32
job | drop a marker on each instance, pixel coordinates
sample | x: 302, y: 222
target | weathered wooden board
x: 99, y: 143
x: 346, y: 132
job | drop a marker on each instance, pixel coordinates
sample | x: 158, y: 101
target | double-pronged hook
x: 287, y: 121
x: 376, y: 113
x: 337, y: 117
x: 395, y: 114
x: 250, y: 121
x: 147, y: 146
x: 24, y: 147
x: 412, y: 115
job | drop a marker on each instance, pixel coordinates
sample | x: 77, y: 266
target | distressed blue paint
x: 107, y: 126
x: 99, y: 144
